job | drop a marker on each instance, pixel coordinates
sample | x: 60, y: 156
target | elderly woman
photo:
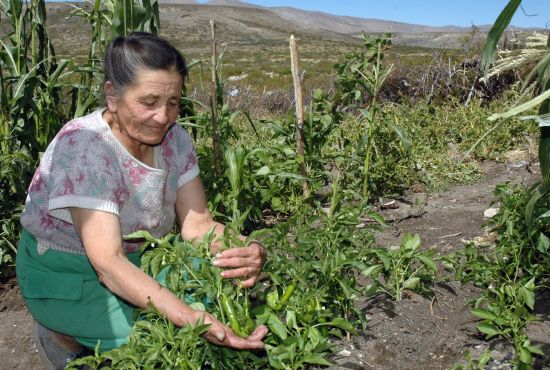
x: 122, y: 168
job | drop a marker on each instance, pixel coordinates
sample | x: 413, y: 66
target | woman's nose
x: 161, y: 115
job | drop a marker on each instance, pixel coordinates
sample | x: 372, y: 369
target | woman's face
x: 146, y: 110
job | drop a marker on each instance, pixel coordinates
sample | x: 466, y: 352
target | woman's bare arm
x: 102, y: 239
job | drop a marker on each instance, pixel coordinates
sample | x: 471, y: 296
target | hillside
x: 244, y: 25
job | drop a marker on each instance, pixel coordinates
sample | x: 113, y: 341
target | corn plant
x: 514, y: 297
x: 542, y: 71
x: 30, y: 96
x: 84, y: 93
x: 107, y: 19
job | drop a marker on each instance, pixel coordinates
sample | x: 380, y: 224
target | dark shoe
x: 53, y: 355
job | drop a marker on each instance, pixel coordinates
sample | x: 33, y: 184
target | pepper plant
x: 393, y: 270
x: 506, y: 311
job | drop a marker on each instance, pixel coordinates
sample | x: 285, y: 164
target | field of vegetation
x: 380, y: 124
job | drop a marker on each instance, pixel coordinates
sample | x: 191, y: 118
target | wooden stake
x: 213, y: 102
x: 299, y: 111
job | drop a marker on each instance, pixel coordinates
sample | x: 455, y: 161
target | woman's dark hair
x: 139, y: 50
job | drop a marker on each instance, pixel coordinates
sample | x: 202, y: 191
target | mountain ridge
x: 355, y: 23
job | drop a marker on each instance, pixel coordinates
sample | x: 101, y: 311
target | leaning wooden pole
x: 213, y: 101
x: 299, y: 112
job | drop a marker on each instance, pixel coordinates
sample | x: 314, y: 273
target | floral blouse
x: 85, y: 166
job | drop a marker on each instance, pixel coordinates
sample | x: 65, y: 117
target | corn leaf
x: 521, y: 108
x: 538, y: 193
x: 489, y: 51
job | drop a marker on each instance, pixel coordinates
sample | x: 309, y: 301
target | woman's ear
x: 110, y: 96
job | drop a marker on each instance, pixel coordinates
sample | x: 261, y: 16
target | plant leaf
x: 411, y: 282
x: 428, y: 262
x: 399, y: 131
x: 277, y: 327
x: 489, y: 50
x: 484, y: 314
x: 316, y: 359
x: 488, y: 329
x: 521, y: 108
x: 343, y: 324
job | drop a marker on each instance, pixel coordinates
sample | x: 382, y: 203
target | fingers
x: 254, y: 251
x: 247, y: 276
x: 254, y: 340
x: 233, y: 261
x: 259, y: 333
x: 253, y: 255
x: 242, y: 263
x: 230, y: 339
x: 216, y: 333
x: 249, y: 283
x: 234, y: 341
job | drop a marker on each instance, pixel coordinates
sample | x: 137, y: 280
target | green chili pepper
x: 286, y: 296
x: 248, y: 325
x: 246, y: 304
x: 229, y: 310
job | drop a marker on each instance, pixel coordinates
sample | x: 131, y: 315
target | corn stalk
x: 30, y: 96
x: 538, y: 52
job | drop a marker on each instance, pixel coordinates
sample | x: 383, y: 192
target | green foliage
x: 505, y: 312
x: 29, y: 108
x: 360, y: 77
x: 489, y: 51
x: 38, y: 93
x: 362, y: 73
x: 323, y: 257
x: 301, y: 318
x: 393, y: 270
x: 510, y: 270
x: 474, y: 363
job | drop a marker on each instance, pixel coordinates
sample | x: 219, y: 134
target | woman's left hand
x: 245, y: 263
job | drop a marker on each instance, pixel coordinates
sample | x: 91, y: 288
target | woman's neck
x: 142, y: 152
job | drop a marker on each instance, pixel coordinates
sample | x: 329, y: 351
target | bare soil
x: 434, y: 333
x: 416, y: 333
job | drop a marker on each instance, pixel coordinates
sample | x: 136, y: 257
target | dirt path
x: 421, y: 333
x: 416, y: 333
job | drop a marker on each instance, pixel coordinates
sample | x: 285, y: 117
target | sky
x: 463, y: 13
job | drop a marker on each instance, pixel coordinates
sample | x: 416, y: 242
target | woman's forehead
x: 157, y: 81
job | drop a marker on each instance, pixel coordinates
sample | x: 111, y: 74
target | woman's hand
x: 222, y: 335
x: 245, y: 263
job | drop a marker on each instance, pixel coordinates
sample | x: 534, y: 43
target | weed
x: 405, y: 267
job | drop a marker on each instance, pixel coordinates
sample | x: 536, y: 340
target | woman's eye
x: 149, y: 103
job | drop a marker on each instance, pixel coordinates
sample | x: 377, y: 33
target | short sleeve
x: 179, y: 152
x: 81, y: 172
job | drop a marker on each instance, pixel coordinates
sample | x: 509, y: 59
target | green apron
x: 63, y: 293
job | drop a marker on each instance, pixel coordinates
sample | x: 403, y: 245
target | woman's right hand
x: 222, y: 335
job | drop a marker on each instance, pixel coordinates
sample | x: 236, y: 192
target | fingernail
x: 218, y: 255
x: 220, y: 335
